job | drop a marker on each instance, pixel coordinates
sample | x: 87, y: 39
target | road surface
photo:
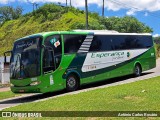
x: 112, y: 82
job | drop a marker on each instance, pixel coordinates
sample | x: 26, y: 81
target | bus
x: 52, y: 61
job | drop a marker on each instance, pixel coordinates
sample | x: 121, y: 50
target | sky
x: 146, y: 11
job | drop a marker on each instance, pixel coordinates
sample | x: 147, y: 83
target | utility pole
x: 70, y: 3
x: 33, y: 6
x: 66, y: 3
x: 36, y: 5
x: 59, y: 3
x: 103, y: 9
x: 86, y: 6
x: 33, y: 3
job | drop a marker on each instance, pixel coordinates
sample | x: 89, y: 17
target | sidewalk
x: 4, y: 89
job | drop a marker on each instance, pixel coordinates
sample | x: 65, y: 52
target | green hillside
x: 51, y: 17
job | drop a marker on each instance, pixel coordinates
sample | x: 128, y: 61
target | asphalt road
x: 111, y: 82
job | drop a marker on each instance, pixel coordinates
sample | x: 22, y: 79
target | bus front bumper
x: 26, y: 89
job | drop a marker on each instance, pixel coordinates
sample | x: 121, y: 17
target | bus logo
x: 128, y: 54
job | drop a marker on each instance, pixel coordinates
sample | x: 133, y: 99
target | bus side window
x: 101, y: 43
x: 72, y: 43
x: 144, y: 41
x: 48, y: 61
x: 96, y: 44
x: 54, y: 42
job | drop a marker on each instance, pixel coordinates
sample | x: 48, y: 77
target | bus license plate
x: 21, y: 90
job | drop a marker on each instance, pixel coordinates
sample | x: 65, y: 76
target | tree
x: 157, y: 46
x: 10, y: 13
x: 17, y: 12
x: 5, y: 13
x: 126, y: 24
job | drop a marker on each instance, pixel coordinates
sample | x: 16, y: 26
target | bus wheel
x: 137, y: 70
x: 72, y: 83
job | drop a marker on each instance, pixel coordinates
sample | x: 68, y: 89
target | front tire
x: 72, y: 83
x: 137, y: 71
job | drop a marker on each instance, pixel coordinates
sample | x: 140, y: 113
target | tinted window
x: 52, y: 57
x: 131, y: 42
x: 120, y: 42
x: 54, y: 42
x: 101, y: 43
x: 135, y: 42
x: 145, y: 41
x: 25, y: 59
x: 72, y: 43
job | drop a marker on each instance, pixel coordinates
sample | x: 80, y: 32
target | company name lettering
x: 24, y: 45
x: 101, y: 55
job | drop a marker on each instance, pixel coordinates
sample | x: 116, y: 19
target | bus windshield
x: 25, y: 59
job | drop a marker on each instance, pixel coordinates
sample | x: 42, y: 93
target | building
x: 4, y: 70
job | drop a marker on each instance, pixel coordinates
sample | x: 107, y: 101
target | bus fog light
x: 35, y: 83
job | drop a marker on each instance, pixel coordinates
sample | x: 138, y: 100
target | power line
x: 35, y: 5
x: 132, y: 7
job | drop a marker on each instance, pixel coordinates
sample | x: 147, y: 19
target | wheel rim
x: 71, y: 82
x: 137, y: 70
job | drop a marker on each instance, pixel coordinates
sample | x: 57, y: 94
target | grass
x: 7, y: 94
x: 137, y: 96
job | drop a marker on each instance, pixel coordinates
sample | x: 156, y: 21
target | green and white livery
x: 51, y: 61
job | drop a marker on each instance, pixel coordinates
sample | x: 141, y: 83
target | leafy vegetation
x: 157, y: 46
x: 117, y: 98
x: 51, y: 17
x: 10, y: 13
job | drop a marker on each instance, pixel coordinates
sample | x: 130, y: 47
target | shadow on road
x: 47, y: 95
x: 112, y: 80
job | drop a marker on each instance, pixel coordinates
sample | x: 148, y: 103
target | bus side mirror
x: 7, y: 53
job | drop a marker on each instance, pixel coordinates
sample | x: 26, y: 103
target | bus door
x: 52, y: 53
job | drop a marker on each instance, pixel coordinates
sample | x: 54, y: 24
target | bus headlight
x: 11, y: 85
x: 35, y: 83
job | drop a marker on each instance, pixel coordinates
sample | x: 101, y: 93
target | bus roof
x: 109, y: 32
x: 96, y: 32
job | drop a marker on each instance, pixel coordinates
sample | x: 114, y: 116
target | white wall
x: 4, y: 72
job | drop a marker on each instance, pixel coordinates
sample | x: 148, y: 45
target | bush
x: 157, y: 48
